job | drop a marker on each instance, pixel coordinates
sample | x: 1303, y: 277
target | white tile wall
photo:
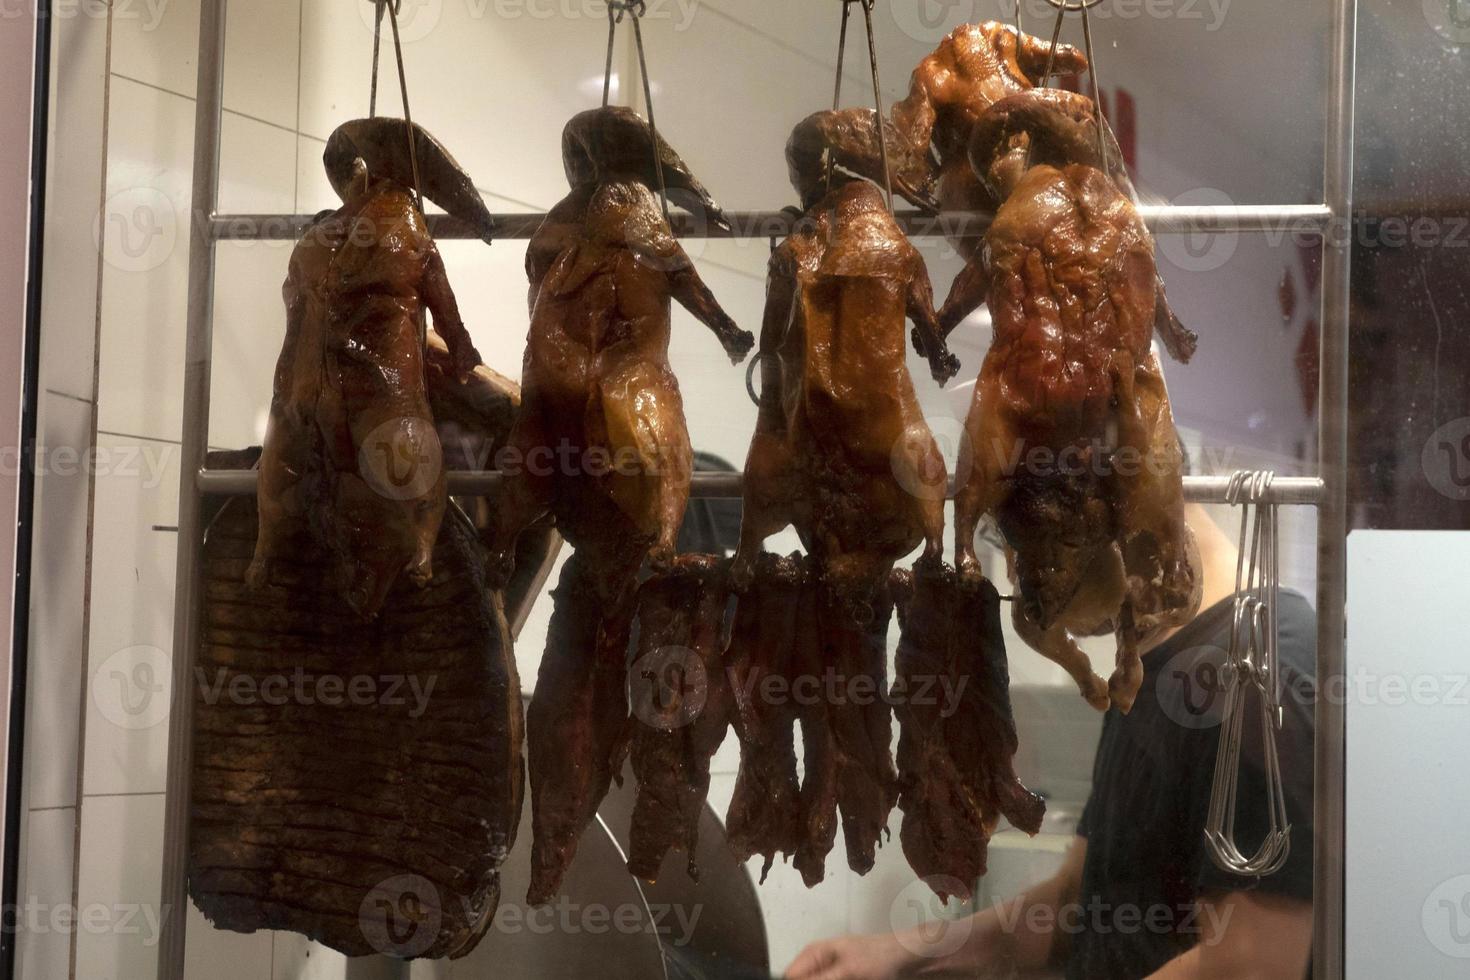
x: 43, y: 951
x: 495, y: 82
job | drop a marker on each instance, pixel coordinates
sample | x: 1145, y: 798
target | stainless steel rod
x: 1330, y: 764
x: 174, y: 896
x: 1164, y: 219
x: 1303, y: 490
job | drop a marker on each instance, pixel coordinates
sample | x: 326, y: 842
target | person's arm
x: 1016, y: 935
x: 1246, y: 936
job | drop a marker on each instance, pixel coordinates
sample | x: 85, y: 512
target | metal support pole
x: 1330, y: 771
x: 194, y: 445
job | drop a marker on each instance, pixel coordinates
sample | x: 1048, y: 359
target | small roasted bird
x: 1075, y: 451
x: 601, y: 442
x: 971, y: 69
x: 841, y: 448
x: 351, y: 446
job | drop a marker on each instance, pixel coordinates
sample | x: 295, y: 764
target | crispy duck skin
x: 958, y: 734
x: 600, y: 442
x: 351, y: 443
x: 974, y: 67
x: 317, y: 813
x: 1098, y: 540
x: 682, y: 706
x: 765, y: 810
x: 841, y: 448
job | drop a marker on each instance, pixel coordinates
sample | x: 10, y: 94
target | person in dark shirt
x: 1138, y: 894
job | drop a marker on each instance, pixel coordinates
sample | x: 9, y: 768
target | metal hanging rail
x: 1328, y: 492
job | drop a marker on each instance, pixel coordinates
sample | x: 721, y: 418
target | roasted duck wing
x: 971, y: 69
x: 351, y: 445
x: 600, y: 441
x: 683, y: 702
x: 1075, y: 452
x: 952, y: 688
x: 374, y: 823
x: 841, y: 449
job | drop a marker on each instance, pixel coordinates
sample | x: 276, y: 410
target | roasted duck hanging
x: 1075, y: 454
x: 971, y: 69
x: 601, y: 442
x: 351, y: 447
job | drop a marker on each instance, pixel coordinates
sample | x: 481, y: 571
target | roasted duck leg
x: 841, y: 449
x: 971, y: 69
x: 1075, y: 450
x: 351, y: 445
x: 600, y: 441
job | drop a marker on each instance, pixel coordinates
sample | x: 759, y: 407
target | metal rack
x: 1327, y: 491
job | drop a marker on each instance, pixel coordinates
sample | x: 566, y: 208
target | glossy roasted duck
x: 601, y: 442
x: 841, y: 448
x: 351, y: 447
x: 971, y: 69
x: 1075, y: 451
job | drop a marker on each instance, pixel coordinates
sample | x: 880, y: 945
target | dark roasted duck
x: 1075, y: 451
x: 682, y: 704
x: 376, y: 822
x: 600, y: 441
x: 351, y: 447
x: 952, y: 690
x: 841, y: 448
x: 971, y: 69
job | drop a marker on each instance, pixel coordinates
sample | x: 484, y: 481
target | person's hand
x: 880, y: 957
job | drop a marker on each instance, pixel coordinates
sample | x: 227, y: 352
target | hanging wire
x: 1063, y: 7
x: 867, y: 6
x: 377, y: 44
x: 616, y: 11
x: 413, y: 152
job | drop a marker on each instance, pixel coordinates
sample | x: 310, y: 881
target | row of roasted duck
x: 352, y: 482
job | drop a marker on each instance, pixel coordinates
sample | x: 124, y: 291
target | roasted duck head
x: 600, y: 442
x: 351, y: 449
x: 841, y: 448
x: 847, y: 140
x: 1075, y: 454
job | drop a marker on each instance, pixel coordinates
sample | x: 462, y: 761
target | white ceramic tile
x: 43, y: 947
x: 145, y: 277
x: 249, y: 326
x: 132, y: 617
x: 121, y: 859
x: 58, y: 583
x: 493, y: 81
x: 157, y: 42
x: 74, y: 189
x: 222, y: 955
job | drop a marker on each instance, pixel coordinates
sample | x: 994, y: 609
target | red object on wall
x: 1121, y: 111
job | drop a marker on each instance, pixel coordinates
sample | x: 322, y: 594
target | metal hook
x: 867, y: 6
x: 1064, y: 7
x: 616, y: 11
x: 1252, y: 662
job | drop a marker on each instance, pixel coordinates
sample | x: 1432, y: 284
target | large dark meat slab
x: 373, y: 822
x: 958, y: 735
x: 681, y: 706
